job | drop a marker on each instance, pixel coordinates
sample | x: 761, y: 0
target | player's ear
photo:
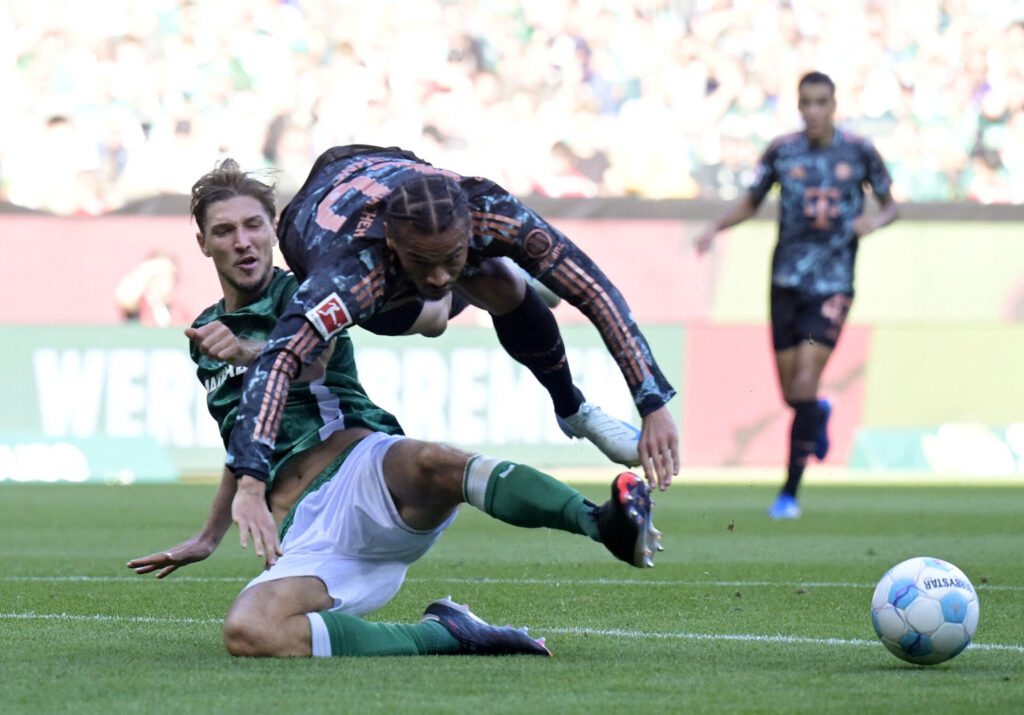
x: 201, y: 240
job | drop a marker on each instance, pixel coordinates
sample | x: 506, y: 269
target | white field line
x: 821, y: 475
x: 748, y: 638
x: 513, y: 581
x: 610, y: 633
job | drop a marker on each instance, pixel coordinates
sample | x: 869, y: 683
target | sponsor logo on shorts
x: 330, y: 316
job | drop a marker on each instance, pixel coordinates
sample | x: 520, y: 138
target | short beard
x: 253, y: 289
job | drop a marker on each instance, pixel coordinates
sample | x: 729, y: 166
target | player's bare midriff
x: 299, y: 472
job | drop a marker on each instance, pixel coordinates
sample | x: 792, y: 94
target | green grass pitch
x: 741, y: 614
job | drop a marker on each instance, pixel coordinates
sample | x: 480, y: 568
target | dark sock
x: 806, y: 416
x: 523, y: 496
x: 351, y: 635
x: 529, y: 333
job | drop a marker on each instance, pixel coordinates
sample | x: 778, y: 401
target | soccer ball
x: 925, y: 610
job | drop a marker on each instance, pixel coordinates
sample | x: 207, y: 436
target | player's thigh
x: 811, y: 358
x: 785, y: 368
x: 785, y: 312
x: 786, y: 305
x: 273, y: 601
x: 425, y: 481
x: 821, y: 318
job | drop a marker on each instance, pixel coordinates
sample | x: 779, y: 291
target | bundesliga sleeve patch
x: 329, y: 317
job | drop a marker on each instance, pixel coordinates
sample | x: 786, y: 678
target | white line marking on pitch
x: 643, y: 582
x: 103, y: 618
x: 484, y: 580
x: 612, y: 633
x: 748, y: 638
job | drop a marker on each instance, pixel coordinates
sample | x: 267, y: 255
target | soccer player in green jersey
x: 355, y: 502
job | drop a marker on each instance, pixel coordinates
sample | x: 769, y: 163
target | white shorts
x: 348, y: 534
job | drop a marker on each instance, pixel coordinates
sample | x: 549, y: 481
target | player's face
x: 433, y: 262
x: 240, y: 238
x: 818, y: 107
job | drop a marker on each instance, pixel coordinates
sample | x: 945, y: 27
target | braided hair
x: 430, y: 203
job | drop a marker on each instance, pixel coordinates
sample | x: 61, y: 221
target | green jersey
x: 313, y: 410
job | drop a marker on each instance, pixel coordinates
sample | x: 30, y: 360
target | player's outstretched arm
x: 737, y: 213
x: 201, y: 545
x: 659, y: 448
x: 250, y: 511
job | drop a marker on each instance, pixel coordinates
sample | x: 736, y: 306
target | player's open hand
x: 659, y: 448
x: 187, y: 552
x: 249, y: 510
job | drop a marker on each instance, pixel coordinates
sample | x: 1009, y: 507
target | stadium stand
x: 648, y: 98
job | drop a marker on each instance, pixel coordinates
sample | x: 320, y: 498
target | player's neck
x: 236, y: 299
x: 821, y: 140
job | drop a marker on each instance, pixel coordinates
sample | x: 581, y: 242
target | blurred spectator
x: 656, y: 98
x: 146, y: 293
x: 563, y: 176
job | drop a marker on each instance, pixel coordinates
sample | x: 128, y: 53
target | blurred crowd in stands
x: 111, y: 101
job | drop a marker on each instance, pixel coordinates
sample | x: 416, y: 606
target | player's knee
x: 255, y: 629
x: 433, y: 319
x: 803, y: 387
x: 244, y: 635
x: 498, y: 288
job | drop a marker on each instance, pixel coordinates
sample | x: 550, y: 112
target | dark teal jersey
x: 332, y: 235
x: 822, y: 195
x: 313, y: 410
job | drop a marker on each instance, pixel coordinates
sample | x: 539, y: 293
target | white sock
x: 321, y: 638
x: 474, y: 481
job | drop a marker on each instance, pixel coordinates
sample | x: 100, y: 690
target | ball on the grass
x: 925, y: 610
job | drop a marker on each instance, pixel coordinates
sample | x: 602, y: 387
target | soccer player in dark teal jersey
x: 822, y: 172
x: 375, y: 230
x: 355, y: 501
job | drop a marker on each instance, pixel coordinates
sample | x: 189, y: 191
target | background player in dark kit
x: 822, y: 172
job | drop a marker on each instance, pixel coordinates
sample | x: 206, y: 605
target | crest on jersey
x: 538, y: 243
x: 843, y: 171
x: 330, y: 316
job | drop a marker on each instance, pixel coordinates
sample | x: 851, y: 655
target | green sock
x: 351, y: 635
x: 522, y: 496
